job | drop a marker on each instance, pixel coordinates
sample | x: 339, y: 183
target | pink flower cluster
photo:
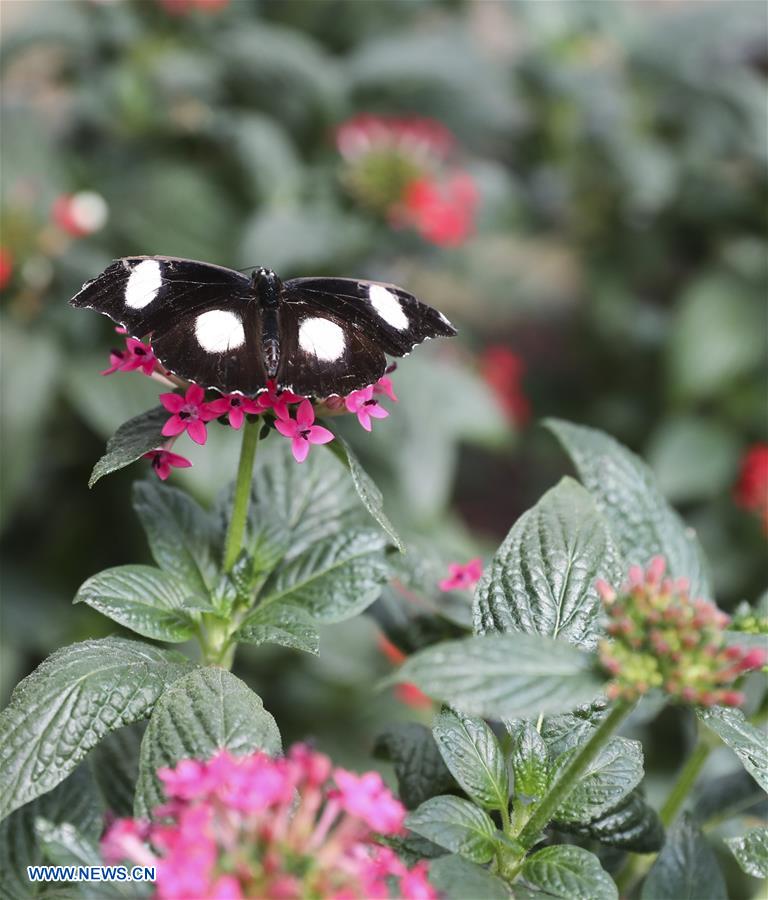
x: 664, y: 639
x: 255, y: 826
x: 398, y: 167
x: 462, y: 577
x: 190, y: 413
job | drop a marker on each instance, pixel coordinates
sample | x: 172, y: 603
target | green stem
x: 638, y: 865
x: 236, y: 530
x: 572, y: 772
x: 685, y: 782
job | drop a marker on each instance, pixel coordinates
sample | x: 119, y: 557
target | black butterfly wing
x: 149, y: 293
x: 322, y: 353
x: 203, y: 322
x: 387, y: 315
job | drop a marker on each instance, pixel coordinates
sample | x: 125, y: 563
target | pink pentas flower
x: 384, y: 386
x: 462, y: 577
x: 367, y: 797
x: 136, y: 355
x: 189, y: 413
x: 255, y: 826
x: 365, y: 407
x: 302, y: 431
x: 163, y: 461
x: 278, y: 400
x: 751, y: 491
x: 236, y: 407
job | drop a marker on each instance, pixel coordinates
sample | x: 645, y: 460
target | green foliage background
x: 620, y: 150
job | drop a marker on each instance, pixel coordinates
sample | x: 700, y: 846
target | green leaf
x: 562, y: 732
x: 631, y: 825
x: 207, y: 710
x: 288, y: 626
x: 570, y: 873
x: 474, y: 757
x: 457, y: 825
x: 642, y: 522
x: 69, y: 703
x: 333, y: 579
x: 686, y: 868
x: 542, y: 578
x: 504, y: 676
x: 751, y: 851
x: 179, y: 532
x: 420, y: 770
x: 76, y: 801
x: 719, y: 314
x: 115, y: 766
x: 615, y: 771
x: 746, y: 741
x: 130, y: 442
x: 529, y: 759
x: 367, y: 490
x: 457, y: 878
x: 142, y: 598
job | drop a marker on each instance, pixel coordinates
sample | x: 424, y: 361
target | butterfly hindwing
x: 321, y: 353
x: 388, y: 315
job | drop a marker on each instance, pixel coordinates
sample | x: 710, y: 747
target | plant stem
x: 236, y: 530
x: 685, y: 782
x: 575, y: 768
x: 638, y: 864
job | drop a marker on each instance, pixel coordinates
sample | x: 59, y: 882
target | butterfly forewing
x: 394, y: 319
x: 221, y: 329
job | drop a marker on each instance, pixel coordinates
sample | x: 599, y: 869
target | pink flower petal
x: 219, y: 407
x: 195, y: 394
x: 305, y: 415
x: 236, y: 417
x: 287, y: 427
x: 376, y: 411
x: 319, y: 435
x: 172, y: 402
x: 197, y: 431
x: 300, y: 448
x: 173, y: 426
x: 364, y: 418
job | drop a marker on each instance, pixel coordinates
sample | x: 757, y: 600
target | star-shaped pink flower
x: 163, y: 461
x: 302, y: 431
x: 462, y: 577
x: 278, y: 400
x: 136, y: 355
x: 365, y: 407
x: 236, y: 407
x: 190, y: 413
x: 384, y: 386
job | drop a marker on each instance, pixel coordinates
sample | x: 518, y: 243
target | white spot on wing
x: 387, y: 306
x: 218, y: 331
x: 322, y: 339
x: 143, y: 284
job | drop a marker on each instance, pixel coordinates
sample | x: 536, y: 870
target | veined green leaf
x: 542, y: 578
x: 746, y: 741
x: 686, y: 868
x: 130, y: 442
x: 289, y: 626
x: 420, y: 769
x: 457, y: 825
x: 570, y: 873
x: 751, y: 851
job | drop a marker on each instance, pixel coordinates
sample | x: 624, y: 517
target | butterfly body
x: 232, y: 332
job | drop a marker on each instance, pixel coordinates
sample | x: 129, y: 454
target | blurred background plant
x: 580, y: 186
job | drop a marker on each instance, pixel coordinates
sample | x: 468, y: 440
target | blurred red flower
x: 751, y: 491
x: 6, y: 267
x: 406, y: 693
x: 398, y: 167
x: 80, y: 214
x: 182, y: 7
x: 503, y: 369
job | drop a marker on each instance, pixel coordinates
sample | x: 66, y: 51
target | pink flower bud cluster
x: 190, y: 413
x: 662, y: 638
x: 398, y: 168
x: 255, y: 826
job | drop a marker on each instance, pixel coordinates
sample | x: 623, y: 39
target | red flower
x: 163, y: 461
x: 6, y: 267
x: 462, y: 577
x: 190, y: 413
x: 236, y: 407
x: 407, y: 692
x: 751, y: 490
x: 502, y: 370
x: 182, y: 7
x: 80, y: 214
x: 302, y: 431
x: 441, y: 211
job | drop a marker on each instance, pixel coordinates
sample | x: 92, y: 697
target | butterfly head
x: 266, y: 285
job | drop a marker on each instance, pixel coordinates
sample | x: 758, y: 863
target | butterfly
x: 225, y: 330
